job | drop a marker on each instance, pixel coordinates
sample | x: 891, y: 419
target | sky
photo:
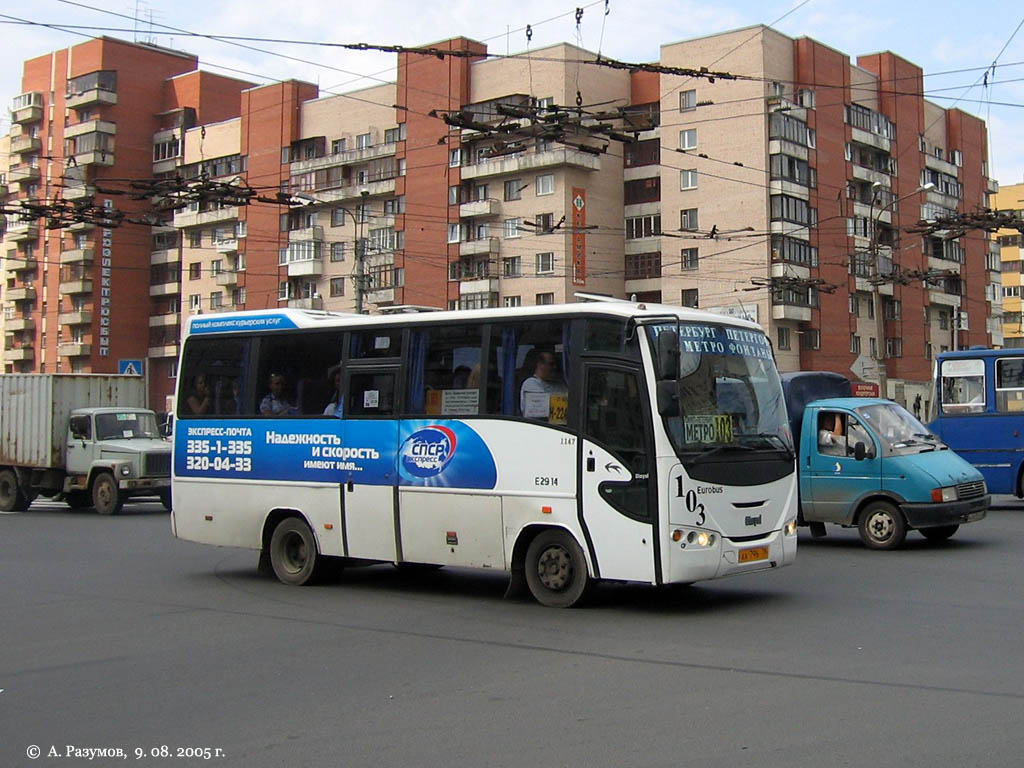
x: 955, y: 43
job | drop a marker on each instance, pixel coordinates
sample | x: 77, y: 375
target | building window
x: 337, y: 286
x: 394, y: 205
x: 514, y: 189
x: 216, y: 300
x: 512, y: 228
x: 454, y: 195
x: 337, y: 251
x: 238, y: 297
x: 894, y: 347
x: 642, y: 191
x: 391, y: 136
x: 687, y: 100
x: 195, y: 270
x: 689, y: 297
x: 546, y: 184
x: 337, y: 146
x: 544, y: 223
x: 688, y: 258
x: 454, y: 233
x: 454, y: 158
x: 545, y: 298
x: 688, y: 179
x: 854, y: 343
x: 688, y: 219
x: 811, y: 338
x: 854, y: 306
x: 512, y: 267
x: 512, y: 301
x: 363, y: 141
x: 545, y: 263
x: 195, y: 239
x: 194, y: 302
x: 643, y: 226
x: 688, y: 139
x: 783, y: 336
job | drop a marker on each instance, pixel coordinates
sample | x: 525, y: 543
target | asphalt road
x: 114, y: 635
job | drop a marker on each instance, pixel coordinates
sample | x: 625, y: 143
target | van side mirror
x: 80, y: 427
x: 668, y: 355
x: 859, y: 451
x: 668, y: 398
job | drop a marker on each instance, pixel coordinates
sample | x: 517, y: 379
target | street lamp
x: 876, y: 300
x: 358, y: 277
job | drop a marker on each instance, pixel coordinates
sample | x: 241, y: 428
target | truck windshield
x: 897, y: 429
x: 730, y: 397
x: 125, y: 424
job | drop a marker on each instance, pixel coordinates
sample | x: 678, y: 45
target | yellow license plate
x: 753, y: 554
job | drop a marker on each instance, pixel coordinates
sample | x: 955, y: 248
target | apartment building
x: 90, y: 118
x: 1007, y: 244
x: 783, y: 195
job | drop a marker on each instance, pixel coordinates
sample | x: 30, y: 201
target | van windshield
x: 897, y: 429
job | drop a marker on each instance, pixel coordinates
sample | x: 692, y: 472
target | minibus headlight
x: 943, y: 495
x: 790, y: 527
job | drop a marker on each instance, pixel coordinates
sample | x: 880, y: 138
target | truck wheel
x: 165, y: 499
x: 105, y: 496
x: 556, y: 570
x: 882, y: 526
x: 293, y: 553
x: 11, y: 497
x: 939, y: 532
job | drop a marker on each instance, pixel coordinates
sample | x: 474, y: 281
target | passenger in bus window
x: 335, y: 407
x: 199, y: 400
x: 275, y: 403
x: 231, y: 400
x: 537, y: 392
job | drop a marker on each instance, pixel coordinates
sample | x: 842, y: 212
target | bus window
x: 371, y: 394
x: 444, y: 371
x: 529, y: 366
x: 216, y: 375
x: 608, y: 337
x: 305, y: 363
x: 375, y: 343
x: 1010, y: 385
x: 963, y: 386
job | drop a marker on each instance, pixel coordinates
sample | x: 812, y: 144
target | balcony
x: 227, y: 279
x: 306, y: 234
x: 862, y: 173
x: 869, y: 139
x: 935, y: 164
x: 27, y: 108
x: 161, y: 321
x: 485, y: 245
x: 349, y: 157
x: 573, y: 158
x: 383, y: 296
x: 226, y: 246
x: 103, y: 157
x: 169, y: 288
x: 76, y: 190
x: 872, y: 212
x: 489, y: 284
x: 164, y: 256
x: 22, y: 354
x: 312, y: 267
x: 74, y: 349
x: 16, y: 264
x: 479, y: 208
x: 200, y: 218
x: 23, y: 174
x: 19, y: 231
x: 791, y: 312
x: 90, y: 126
x: 18, y: 323
x: 355, y: 191
x: 77, y: 256
x: 90, y: 97
x: 163, y: 350
x: 939, y: 296
x: 80, y: 226
x: 168, y: 165
x: 76, y: 286
x: 22, y: 293
x: 315, y: 302
x: 992, y: 187
x: 78, y: 317
x: 26, y: 143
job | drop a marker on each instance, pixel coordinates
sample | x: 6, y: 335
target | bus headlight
x: 942, y: 495
x: 790, y: 527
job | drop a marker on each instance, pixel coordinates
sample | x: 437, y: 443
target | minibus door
x: 619, y: 508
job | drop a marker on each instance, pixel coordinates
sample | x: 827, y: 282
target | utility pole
x: 360, y: 251
x: 881, y: 353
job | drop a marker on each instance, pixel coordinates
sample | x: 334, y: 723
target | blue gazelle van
x: 867, y: 462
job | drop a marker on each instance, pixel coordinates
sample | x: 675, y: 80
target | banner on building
x: 579, y: 237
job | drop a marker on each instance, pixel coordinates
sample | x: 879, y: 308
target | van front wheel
x: 882, y: 526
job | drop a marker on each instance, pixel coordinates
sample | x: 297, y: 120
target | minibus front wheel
x: 882, y: 526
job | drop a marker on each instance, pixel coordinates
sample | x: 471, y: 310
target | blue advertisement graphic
x: 418, y: 453
x: 220, y: 324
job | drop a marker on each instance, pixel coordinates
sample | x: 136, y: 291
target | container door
x: 837, y: 479
x: 368, y: 463
x: 618, y: 488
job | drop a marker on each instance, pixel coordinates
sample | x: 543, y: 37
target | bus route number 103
x: 693, y: 506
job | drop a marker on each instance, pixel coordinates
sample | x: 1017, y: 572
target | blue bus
x: 978, y: 411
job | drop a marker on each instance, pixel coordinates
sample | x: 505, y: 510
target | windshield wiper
x: 771, y: 437
x: 720, y: 449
